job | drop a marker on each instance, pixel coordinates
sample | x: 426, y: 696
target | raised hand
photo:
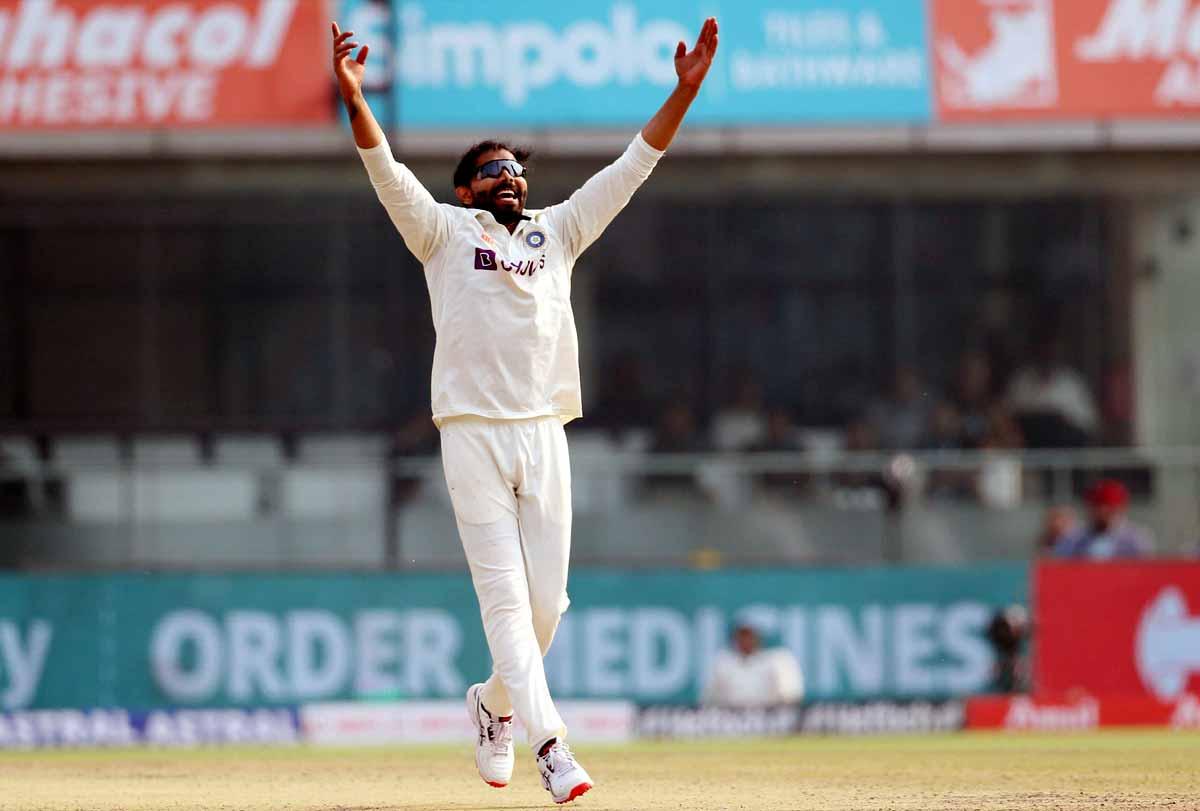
x: 692, y: 66
x: 349, y: 71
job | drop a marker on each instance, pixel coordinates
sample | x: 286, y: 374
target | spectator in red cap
x: 1060, y: 521
x: 1108, y: 534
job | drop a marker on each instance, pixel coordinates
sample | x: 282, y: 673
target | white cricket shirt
x: 506, y: 343
x: 762, y: 679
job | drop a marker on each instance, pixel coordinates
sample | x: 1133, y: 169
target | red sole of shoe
x: 578, y: 791
x: 495, y: 785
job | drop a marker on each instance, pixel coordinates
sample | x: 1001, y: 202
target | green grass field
x: 1110, y: 770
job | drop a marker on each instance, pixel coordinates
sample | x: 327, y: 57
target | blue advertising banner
x: 551, y: 64
x: 253, y: 640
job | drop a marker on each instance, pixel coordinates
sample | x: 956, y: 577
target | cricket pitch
x: 1048, y: 772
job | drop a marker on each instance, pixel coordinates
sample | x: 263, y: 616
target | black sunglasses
x: 494, y: 168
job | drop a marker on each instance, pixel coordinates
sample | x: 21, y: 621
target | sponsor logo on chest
x: 486, y: 259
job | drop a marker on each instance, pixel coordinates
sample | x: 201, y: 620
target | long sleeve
x: 586, y: 213
x: 421, y: 220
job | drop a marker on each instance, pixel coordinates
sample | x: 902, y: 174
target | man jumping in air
x: 505, y: 381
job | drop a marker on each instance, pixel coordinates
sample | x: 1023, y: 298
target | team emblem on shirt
x: 535, y: 239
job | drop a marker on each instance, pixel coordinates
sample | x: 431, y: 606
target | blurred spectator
x: 1051, y: 401
x: 860, y: 435
x: 902, y: 420
x: 973, y: 397
x: 780, y: 433
x: 1002, y: 431
x: 418, y: 436
x: 999, y: 482
x: 676, y: 433
x: 864, y: 489
x: 1006, y: 633
x: 622, y: 404
x: 1118, y: 403
x: 742, y: 422
x: 1059, y: 522
x: 945, y: 428
x: 749, y: 676
x: 1109, y: 533
x: 780, y: 438
x: 946, y: 434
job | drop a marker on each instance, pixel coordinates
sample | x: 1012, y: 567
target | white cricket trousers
x: 510, y: 483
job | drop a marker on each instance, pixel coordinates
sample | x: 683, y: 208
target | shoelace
x: 561, y: 757
x: 500, y: 736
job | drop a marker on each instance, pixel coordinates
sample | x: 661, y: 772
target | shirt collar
x: 480, y: 212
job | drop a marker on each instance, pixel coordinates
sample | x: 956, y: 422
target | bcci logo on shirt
x: 485, y: 259
x: 535, y: 239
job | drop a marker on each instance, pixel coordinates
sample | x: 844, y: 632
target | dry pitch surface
x: 1112, y: 770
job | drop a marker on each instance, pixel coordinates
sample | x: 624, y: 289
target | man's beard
x: 505, y: 215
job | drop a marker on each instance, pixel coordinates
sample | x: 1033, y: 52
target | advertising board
x: 257, y: 640
x: 1118, y: 629
x: 73, y: 64
x: 548, y: 64
x: 1083, y: 59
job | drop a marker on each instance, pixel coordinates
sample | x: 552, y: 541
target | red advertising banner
x: 1021, y: 59
x: 1080, y: 712
x: 1118, y: 629
x: 71, y: 64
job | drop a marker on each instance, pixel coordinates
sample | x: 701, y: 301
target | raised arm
x: 691, y: 67
x: 583, y: 217
x: 349, y: 73
x: 417, y: 216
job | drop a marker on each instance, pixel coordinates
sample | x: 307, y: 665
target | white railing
x: 630, y: 508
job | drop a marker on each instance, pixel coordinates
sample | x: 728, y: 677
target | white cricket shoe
x: 493, y: 745
x: 561, y: 775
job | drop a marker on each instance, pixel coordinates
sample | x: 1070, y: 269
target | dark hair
x: 466, y: 164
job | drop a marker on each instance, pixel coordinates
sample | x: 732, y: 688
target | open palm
x: 349, y: 71
x: 692, y: 66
